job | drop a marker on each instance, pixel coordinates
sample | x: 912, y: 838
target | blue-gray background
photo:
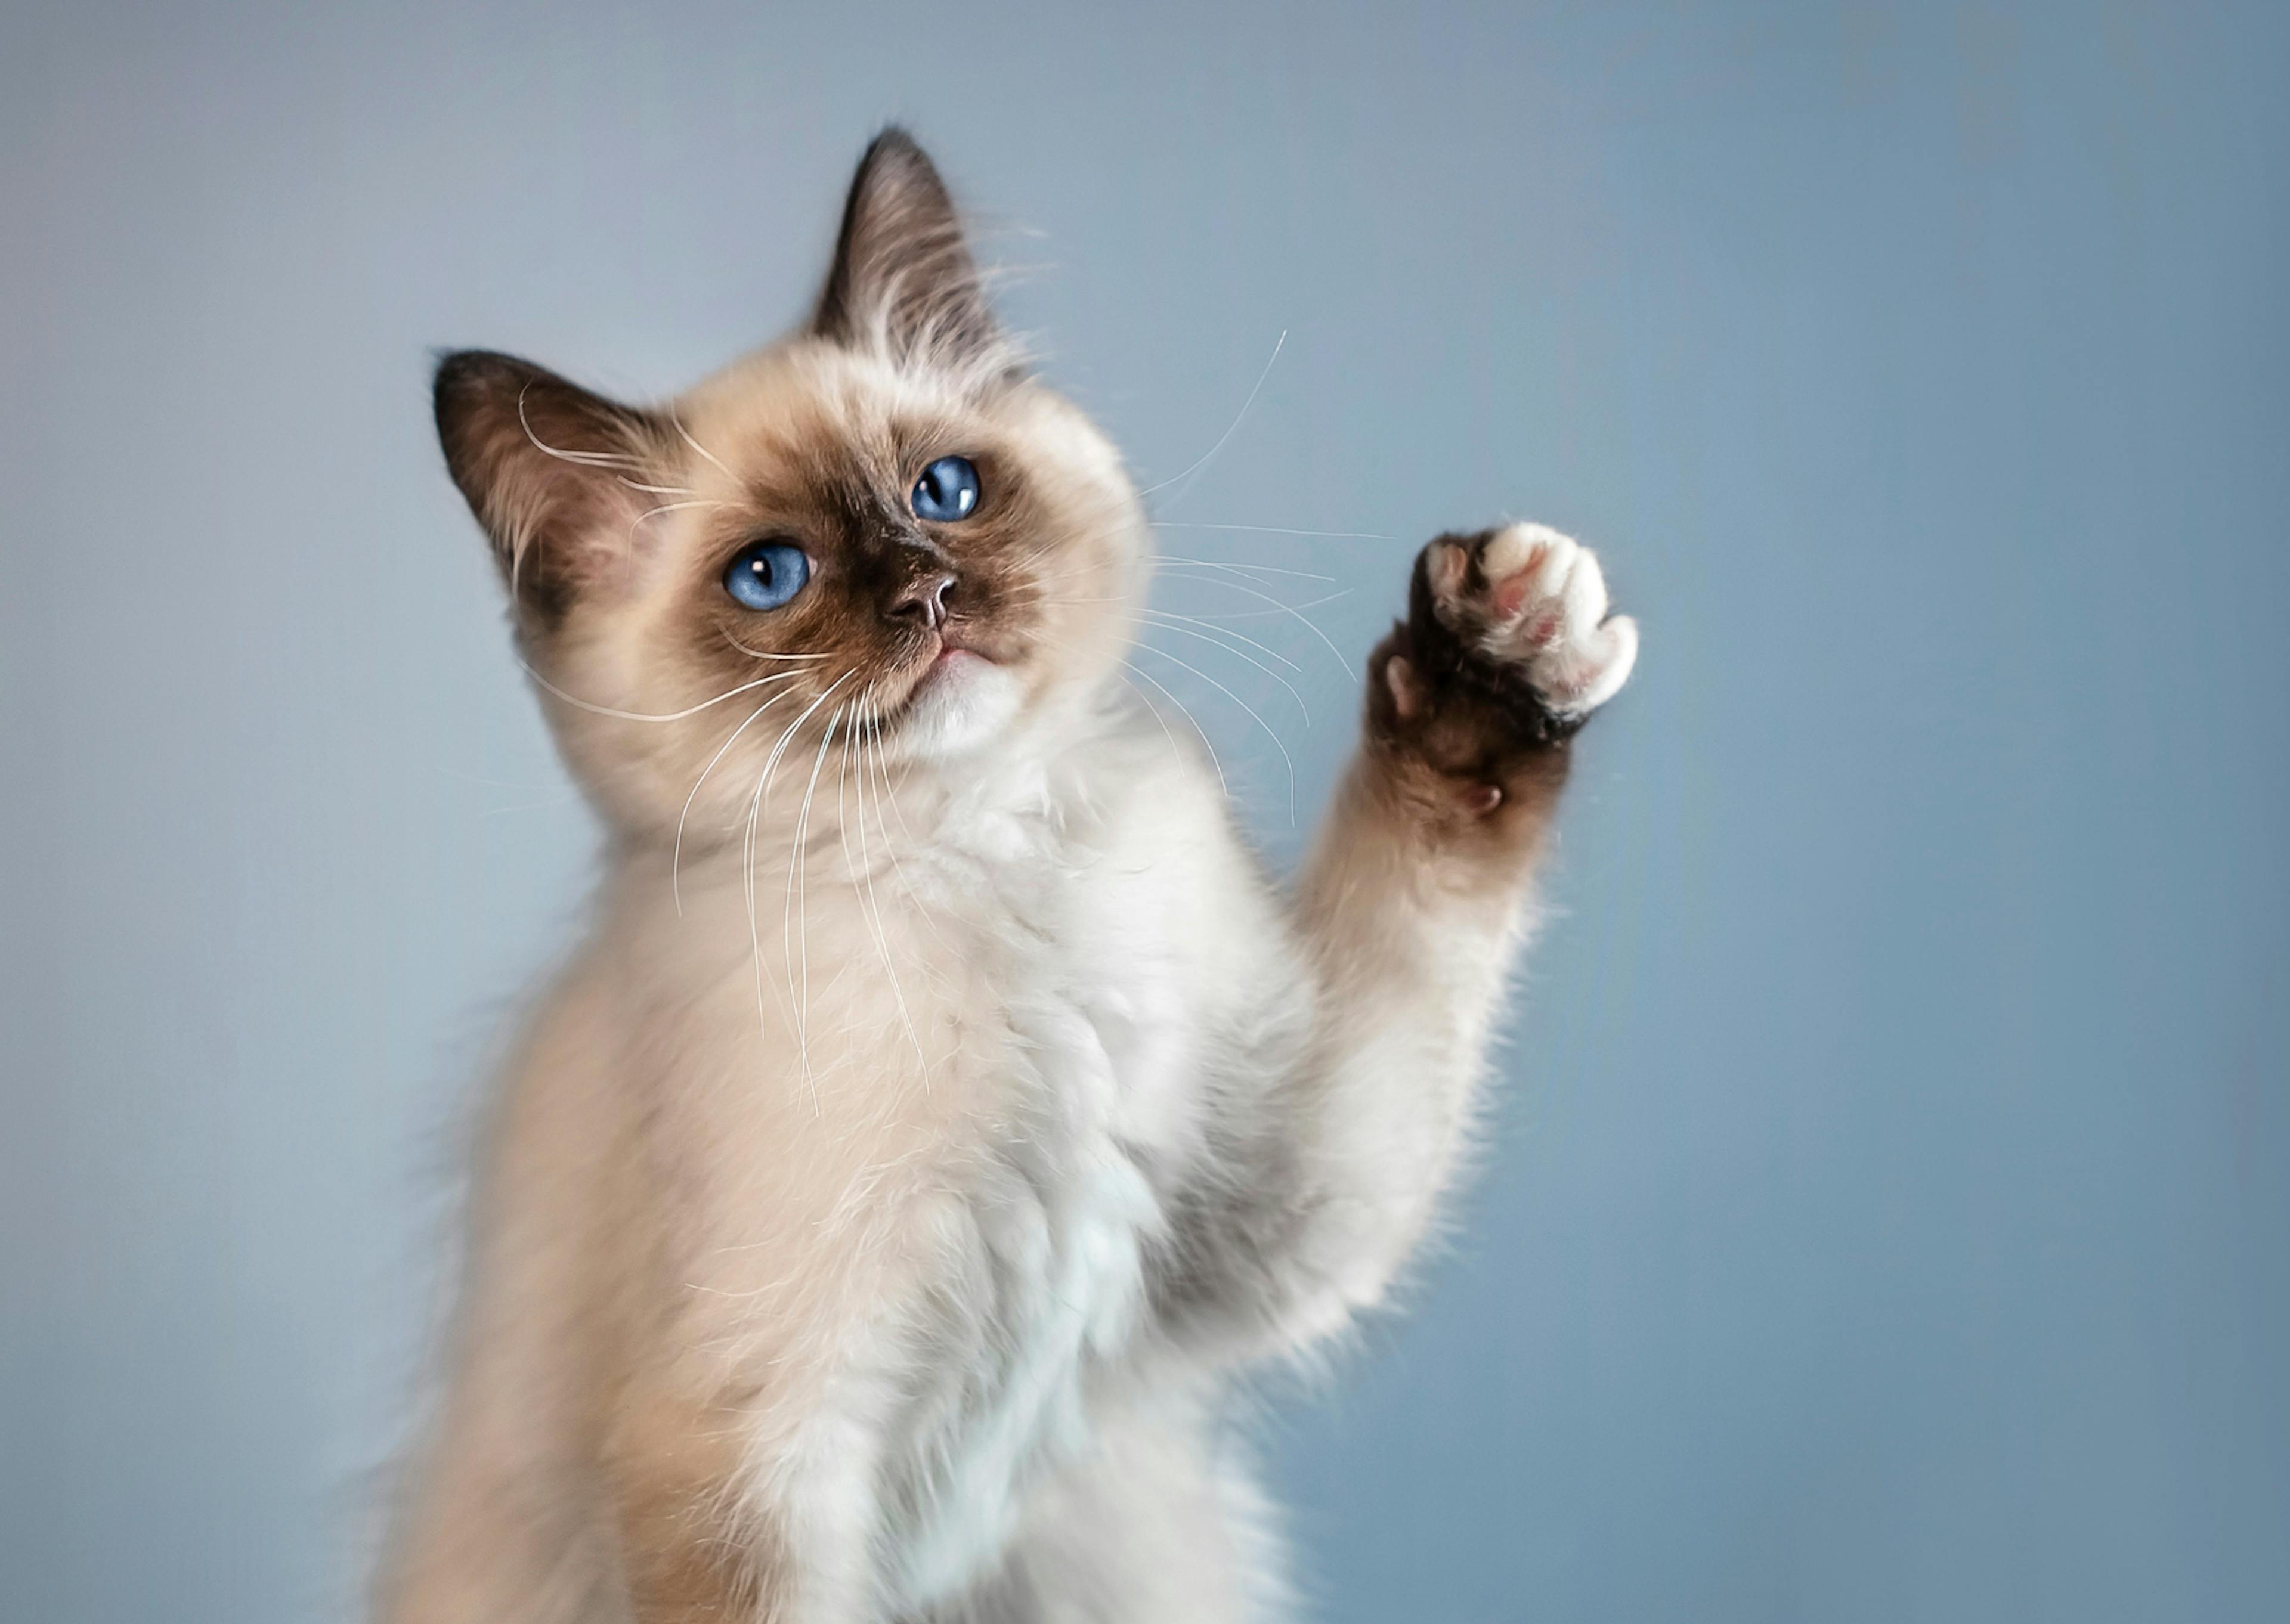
x: 1885, y: 1216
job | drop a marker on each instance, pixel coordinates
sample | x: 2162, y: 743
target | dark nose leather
x: 925, y: 598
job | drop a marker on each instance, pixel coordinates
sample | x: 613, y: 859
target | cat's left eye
x: 766, y: 574
x: 947, y: 491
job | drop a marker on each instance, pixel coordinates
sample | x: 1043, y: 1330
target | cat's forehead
x: 812, y: 413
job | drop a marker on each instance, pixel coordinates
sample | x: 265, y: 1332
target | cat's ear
x: 903, y: 281
x: 551, y: 470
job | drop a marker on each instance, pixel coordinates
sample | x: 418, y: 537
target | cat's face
x: 878, y: 537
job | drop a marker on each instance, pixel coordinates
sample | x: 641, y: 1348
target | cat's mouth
x: 960, y: 655
x: 951, y: 644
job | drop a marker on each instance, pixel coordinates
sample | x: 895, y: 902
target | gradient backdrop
x: 1886, y: 1216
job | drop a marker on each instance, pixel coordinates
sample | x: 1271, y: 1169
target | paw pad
x: 1534, y: 601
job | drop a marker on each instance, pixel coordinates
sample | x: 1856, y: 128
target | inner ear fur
x: 903, y: 279
x: 548, y: 468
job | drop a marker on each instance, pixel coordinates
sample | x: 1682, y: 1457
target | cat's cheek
x: 965, y: 702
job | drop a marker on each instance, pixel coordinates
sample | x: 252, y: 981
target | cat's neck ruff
x: 860, y: 811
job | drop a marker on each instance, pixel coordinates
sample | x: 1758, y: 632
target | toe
x: 1582, y: 599
x: 1514, y: 561
x: 1578, y: 675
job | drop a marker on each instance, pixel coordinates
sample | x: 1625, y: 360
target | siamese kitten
x: 944, y: 1110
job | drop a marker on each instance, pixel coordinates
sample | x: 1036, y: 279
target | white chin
x: 963, y: 702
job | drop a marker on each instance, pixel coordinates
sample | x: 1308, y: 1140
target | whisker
x: 593, y: 459
x: 874, y: 903
x: 760, y: 654
x: 1171, y: 614
x: 884, y: 790
x: 1289, y: 609
x: 754, y: 804
x: 1252, y: 568
x: 771, y: 764
x: 1266, y: 615
x: 1277, y: 529
x: 1209, y: 455
x: 1253, y: 717
x: 748, y: 878
x: 899, y: 807
x: 1232, y: 614
x: 798, y: 887
x: 1154, y: 711
x: 676, y: 858
x: 638, y: 716
x: 676, y: 418
x: 1204, y: 637
x: 649, y: 514
x: 1186, y: 712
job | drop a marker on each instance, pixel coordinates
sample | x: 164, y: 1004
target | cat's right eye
x: 766, y: 574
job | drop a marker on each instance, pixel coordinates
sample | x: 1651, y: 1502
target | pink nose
x: 925, y: 599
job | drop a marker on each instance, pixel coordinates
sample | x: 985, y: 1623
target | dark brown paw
x: 1507, y: 650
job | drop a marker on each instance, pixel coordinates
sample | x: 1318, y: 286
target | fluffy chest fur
x: 1004, y: 1068
x: 1034, y: 1279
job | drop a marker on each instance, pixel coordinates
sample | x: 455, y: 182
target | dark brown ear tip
x: 451, y: 373
x: 894, y: 138
x: 457, y: 368
x: 894, y: 148
x: 464, y: 377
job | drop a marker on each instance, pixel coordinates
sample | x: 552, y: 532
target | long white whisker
x: 1209, y: 455
x: 675, y: 859
x: 1187, y: 713
x: 885, y: 791
x: 762, y: 655
x: 1289, y: 609
x: 748, y: 877
x: 1154, y: 711
x: 592, y: 459
x: 1278, y: 529
x: 1249, y: 569
x: 881, y: 777
x: 1171, y: 614
x: 676, y: 418
x: 1253, y: 717
x: 772, y: 762
x: 638, y: 716
x: 650, y: 514
x: 755, y: 807
x: 754, y: 804
x: 1204, y: 637
x: 799, y: 875
x: 891, y: 790
x: 874, y: 902
x: 1235, y: 614
x: 1267, y: 614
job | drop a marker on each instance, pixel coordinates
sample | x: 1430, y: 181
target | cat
x: 944, y: 1110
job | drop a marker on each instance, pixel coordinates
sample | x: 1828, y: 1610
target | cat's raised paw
x: 1507, y: 649
x: 1533, y: 601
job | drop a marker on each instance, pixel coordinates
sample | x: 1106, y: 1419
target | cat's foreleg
x: 1408, y: 913
x: 1412, y: 903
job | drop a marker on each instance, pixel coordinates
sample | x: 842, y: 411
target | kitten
x: 943, y: 1109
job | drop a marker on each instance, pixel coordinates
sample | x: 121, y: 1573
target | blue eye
x: 766, y: 574
x: 947, y: 490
